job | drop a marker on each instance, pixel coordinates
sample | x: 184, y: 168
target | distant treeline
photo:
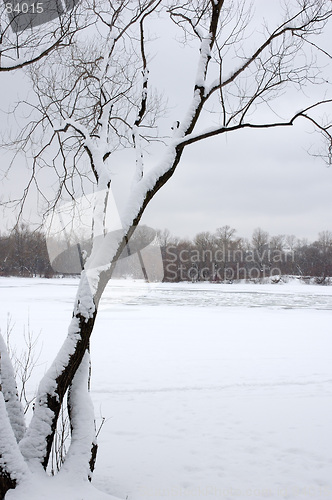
x: 23, y: 252
x: 223, y: 256
x: 218, y: 256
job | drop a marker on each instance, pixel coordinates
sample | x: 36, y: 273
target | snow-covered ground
x: 209, y: 391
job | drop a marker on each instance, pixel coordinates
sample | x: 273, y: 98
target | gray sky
x: 250, y: 179
x: 247, y: 179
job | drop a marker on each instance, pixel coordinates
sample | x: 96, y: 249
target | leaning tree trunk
x: 69, y: 369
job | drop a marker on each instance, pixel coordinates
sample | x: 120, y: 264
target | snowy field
x: 209, y: 391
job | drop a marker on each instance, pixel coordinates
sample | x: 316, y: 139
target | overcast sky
x: 247, y: 179
x: 252, y: 179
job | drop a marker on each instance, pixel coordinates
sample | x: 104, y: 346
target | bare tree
x: 226, y: 241
x: 96, y: 101
x: 324, y: 245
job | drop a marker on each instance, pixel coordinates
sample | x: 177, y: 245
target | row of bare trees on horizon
x: 216, y: 256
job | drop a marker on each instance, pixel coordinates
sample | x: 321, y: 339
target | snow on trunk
x: 12, y: 464
x: 9, y: 390
x: 82, y: 421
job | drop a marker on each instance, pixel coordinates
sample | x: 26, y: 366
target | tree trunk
x: 6, y: 483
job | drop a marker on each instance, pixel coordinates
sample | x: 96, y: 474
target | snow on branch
x: 213, y: 131
x: 22, y: 62
x: 96, y: 147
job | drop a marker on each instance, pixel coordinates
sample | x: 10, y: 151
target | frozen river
x: 209, y: 391
x: 295, y: 295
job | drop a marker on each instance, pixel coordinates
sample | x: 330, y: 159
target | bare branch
x: 221, y: 130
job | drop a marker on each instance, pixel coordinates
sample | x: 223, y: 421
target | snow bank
x: 55, y: 488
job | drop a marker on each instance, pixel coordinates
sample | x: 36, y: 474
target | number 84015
x: 24, y: 8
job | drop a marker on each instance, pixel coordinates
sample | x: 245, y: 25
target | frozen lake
x: 209, y: 391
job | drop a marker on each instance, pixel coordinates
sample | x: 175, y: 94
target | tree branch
x: 191, y: 139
